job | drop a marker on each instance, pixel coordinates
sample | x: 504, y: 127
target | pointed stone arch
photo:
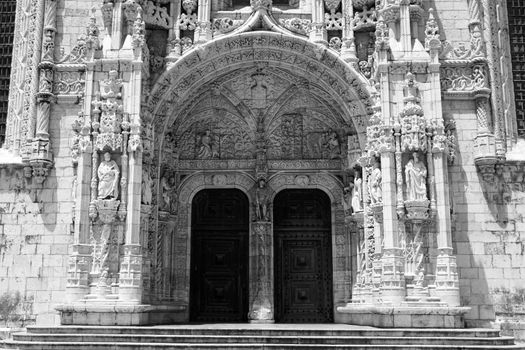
x: 314, y: 63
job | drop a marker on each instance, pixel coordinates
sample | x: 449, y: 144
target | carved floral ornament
x: 315, y: 63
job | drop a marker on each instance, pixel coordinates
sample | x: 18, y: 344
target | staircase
x: 255, y: 336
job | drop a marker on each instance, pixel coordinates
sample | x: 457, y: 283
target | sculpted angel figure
x: 416, y: 179
x: 376, y: 190
x: 108, y: 177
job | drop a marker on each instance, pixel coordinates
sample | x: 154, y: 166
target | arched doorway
x: 303, y: 257
x: 297, y: 106
x: 219, y: 256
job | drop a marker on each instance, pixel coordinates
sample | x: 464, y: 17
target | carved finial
x: 432, y: 41
x: 382, y: 35
x: 92, y: 35
x: 139, y: 30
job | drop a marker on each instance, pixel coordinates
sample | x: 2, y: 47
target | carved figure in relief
x: 357, y: 193
x: 205, y: 146
x: 262, y: 198
x: 416, y: 179
x: 108, y: 178
x: 146, y: 188
x: 376, y: 190
x: 332, y: 145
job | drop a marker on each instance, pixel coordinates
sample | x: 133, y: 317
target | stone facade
x: 400, y: 111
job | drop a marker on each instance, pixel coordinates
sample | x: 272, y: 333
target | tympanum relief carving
x: 221, y: 122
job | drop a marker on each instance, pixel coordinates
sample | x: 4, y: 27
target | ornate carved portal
x: 260, y: 129
x: 170, y: 108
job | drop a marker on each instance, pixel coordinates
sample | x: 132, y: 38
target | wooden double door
x: 302, y: 257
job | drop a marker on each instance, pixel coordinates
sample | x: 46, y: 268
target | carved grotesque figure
x: 108, y: 177
x: 262, y: 198
x: 416, y: 179
x: 357, y: 193
x: 376, y: 190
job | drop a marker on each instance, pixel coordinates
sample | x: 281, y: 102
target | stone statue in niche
x: 146, y: 188
x: 262, y: 198
x: 347, y: 200
x: 376, y: 190
x: 167, y: 186
x: 108, y: 178
x: 416, y: 179
x: 411, y: 91
x: 206, y: 148
x: 357, y: 193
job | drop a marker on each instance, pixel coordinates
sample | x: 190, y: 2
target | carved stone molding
x: 324, y: 182
x: 194, y: 183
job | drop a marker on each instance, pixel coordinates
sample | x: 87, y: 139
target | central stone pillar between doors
x: 261, y: 273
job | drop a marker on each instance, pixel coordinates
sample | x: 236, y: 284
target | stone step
x: 221, y: 346
x: 268, y: 330
x: 258, y: 339
x: 252, y: 336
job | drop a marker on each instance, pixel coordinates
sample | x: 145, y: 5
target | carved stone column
x: 78, y: 272
x: 485, y: 142
x: 348, y: 51
x: 41, y: 158
x: 107, y: 18
x: 80, y: 258
x: 318, y: 29
x: 203, y: 31
x: 130, y: 282
x: 261, y: 258
x: 393, y: 279
x: 405, y: 27
x: 447, y: 282
x: 174, y: 46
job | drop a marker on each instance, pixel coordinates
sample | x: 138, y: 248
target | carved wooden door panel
x: 303, y: 259
x: 219, y: 257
